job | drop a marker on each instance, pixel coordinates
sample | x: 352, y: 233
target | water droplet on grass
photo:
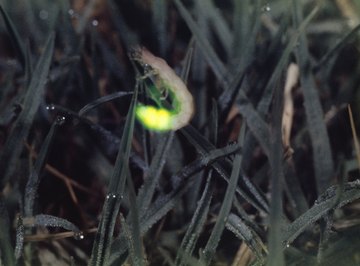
x: 50, y: 107
x: 79, y: 235
x: 266, y: 8
x: 60, y: 119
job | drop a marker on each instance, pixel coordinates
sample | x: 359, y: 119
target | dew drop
x: 95, y: 22
x: 266, y: 8
x: 287, y: 245
x: 79, y: 235
x: 43, y: 14
x: 71, y: 12
x: 60, y: 119
x: 50, y: 107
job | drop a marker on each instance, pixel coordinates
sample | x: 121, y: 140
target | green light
x: 153, y: 118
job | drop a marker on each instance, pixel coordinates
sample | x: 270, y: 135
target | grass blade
x: 276, y: 256
x: 15, y: 37
x: 34, y: 178
x: 323, y: 163
x: 213, y: 60
x: 216, y: 233
x: 326, y: 202
x: 7, y: 252
x: 33, y: 97
x: 102, y: 100
x: 115, y: 191
x: 196, y: 225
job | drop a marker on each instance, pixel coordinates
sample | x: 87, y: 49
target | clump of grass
x: 83, y: 183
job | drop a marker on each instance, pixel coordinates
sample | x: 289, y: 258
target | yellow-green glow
x: 154, y: 118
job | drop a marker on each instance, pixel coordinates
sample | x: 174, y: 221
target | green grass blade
x: 196, y: 225
x: 7, y: 252
x: 34, y: 178
x: 147, y: 191
x: 159, y: 16
x: 116, y: 189
x: 101, y: 100
x: 46, y: 220
x: 33, y: 98
x: 216, y: 233
x: 213, y: 60
x: 326, y: 202
x: 135, y: 236
x: 243, y: 231
x: 323, y: 162
x: 337, y: 47
x: 203, y: 146
x: 276, y: 255
x: 15, y: 37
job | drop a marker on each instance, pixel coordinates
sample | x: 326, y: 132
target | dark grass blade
x: 337, y: 47
x: 147, y: 191
x: 34, y: 178
x: 116, y: 189
x: 203, y: 146
x: 33, y: 98
x: 327, y: 202
x: 244, y: 232
x: 276, y: 256
x: 136, y: 242
x: 323, y: 163
x: 46, y: 220
x: 221, y: 27
x: 164, y: 203
x: 213, y: 60
x: 7, y: 251
x: 159, y: 16
x: 102, y: 100
x: 196, y: 225
x: 210, y: 248
x: 15, y: 37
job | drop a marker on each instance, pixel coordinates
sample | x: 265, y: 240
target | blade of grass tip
x: 164, y: 203
x: 196, y: 224
x: 213, y: 60
x: 15, y: 37
x: 52, y: 221
x: 337, y: 47
x: 236, y: 225
x: 7, y: 251
x: 323, y: 162
x: 353, y: 130
x: 322, y: 206
x: 159, y: 16
x: 116, y: 188
x: 101, y: 100
x: 211, y: 245
x: 34, y: 178
x: 276, y: 255
x: 33, y: 97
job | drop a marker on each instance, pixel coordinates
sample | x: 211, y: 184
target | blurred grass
x: 119, y: 194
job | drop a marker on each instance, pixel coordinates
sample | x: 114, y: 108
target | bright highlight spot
x: 154, y: 118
